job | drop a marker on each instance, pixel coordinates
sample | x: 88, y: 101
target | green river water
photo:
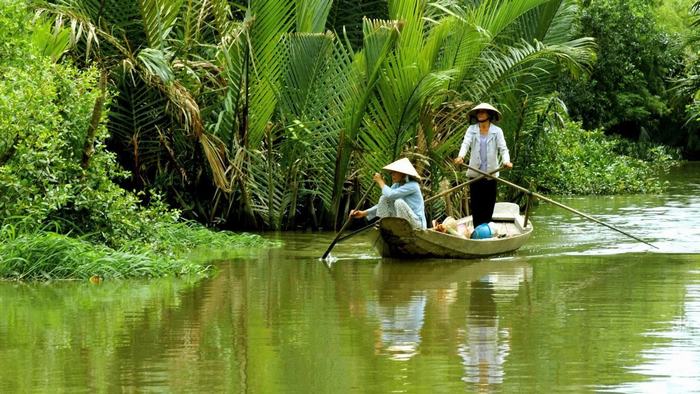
x: 580, y: 308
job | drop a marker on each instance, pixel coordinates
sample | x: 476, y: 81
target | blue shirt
x: 410, y: 193
x: 483, y: 139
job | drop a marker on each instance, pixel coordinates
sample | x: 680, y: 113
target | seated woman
x: 403, y: 199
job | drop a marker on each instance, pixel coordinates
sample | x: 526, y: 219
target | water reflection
x: 557, y: 316
x: 400, y: 325
x: 486, y: 344
x: 417, y: 299
x: 486, y: 347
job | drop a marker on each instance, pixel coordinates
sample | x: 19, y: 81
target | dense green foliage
x: 560, y: 156
x: 626, y: 89
x: 688, y: 87
x: 642, y: 50
x: 46, y: 184
x: 273, y: 114
x: 282, y: 115
x: 572, y: 160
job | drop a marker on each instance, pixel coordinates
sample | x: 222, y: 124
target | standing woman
x: 485, y: 142
x: 402, y: 199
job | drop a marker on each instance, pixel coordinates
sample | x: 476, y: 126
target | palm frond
x: 50, y: 40
x: 312, y: 15
x: 159, y: 18
x: 156, y: 64
x: 273, y: 18
x: 379, y: 39
x: 269, y: 193
x: 494, y: 16
x: 695, y: 9
x: 136, y: 113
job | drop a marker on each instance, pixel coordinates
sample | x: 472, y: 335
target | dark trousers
x: 483, y: 197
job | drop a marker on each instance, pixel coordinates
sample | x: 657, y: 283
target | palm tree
x: 132, y: 43
x: 285, y: 113
x: 498, y: 51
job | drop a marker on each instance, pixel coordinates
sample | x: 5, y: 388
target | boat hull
x: 396, y: 238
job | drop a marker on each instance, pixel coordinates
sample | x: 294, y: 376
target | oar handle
x: 354, y: 233
x: 461, y: 185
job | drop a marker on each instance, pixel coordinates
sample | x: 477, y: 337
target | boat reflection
x: 433, y: 298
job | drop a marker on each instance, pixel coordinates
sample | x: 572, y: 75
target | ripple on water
x: 673, y: 367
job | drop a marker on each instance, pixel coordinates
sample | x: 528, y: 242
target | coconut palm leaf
x: 379, y: 39
x: 273, y: 19
x: 159, y: 18
x: 311, y: 15
x: 312, y: 106
x: 406, y: 86
x: 156, y: 64
x: 86, y: 33
x: 267, y: 187
x: 135, y: 116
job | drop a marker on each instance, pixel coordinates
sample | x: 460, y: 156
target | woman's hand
x: 508, y: 165
x: 459, y: 160
x: 379, y: 179
x: 357, y: 214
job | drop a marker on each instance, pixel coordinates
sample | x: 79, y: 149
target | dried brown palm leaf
x: 215, y: 153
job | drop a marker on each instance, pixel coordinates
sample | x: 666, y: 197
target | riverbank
x: 47, y: 255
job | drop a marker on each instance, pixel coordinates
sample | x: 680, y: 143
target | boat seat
x: 505, y: 212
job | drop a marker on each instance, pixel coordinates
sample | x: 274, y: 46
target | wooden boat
x: 396, y: 237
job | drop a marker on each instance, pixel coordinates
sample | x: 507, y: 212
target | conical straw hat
x: 403, y: 166
x: 487, y: 107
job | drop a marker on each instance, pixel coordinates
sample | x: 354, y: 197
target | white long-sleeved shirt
x: 495, y: 145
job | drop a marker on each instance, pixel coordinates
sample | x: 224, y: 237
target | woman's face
x: 397, y: 177
x: 482, y: 115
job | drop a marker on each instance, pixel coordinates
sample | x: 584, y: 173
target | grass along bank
x: 47, y: 255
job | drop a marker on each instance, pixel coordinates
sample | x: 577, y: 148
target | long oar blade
x: 549, y: 200
x: 340, y: 232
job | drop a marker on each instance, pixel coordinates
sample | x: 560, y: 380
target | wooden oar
x: 560, y: 205
x: 450, y: 190
x: 461, y: 185
x: 354, y: 233
x: 337, y: 237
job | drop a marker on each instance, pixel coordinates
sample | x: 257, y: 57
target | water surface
x: 580, y: 308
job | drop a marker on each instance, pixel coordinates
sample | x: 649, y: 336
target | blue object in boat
x: 482, y: 231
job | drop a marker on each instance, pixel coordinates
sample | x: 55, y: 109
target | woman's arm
x: 503, y: 149
x: 402, y: 191
x: 369, y: 213
x: 465, y: 146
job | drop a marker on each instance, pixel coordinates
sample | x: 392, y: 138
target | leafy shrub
x: 571, y: 160
x: 47, y: 198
